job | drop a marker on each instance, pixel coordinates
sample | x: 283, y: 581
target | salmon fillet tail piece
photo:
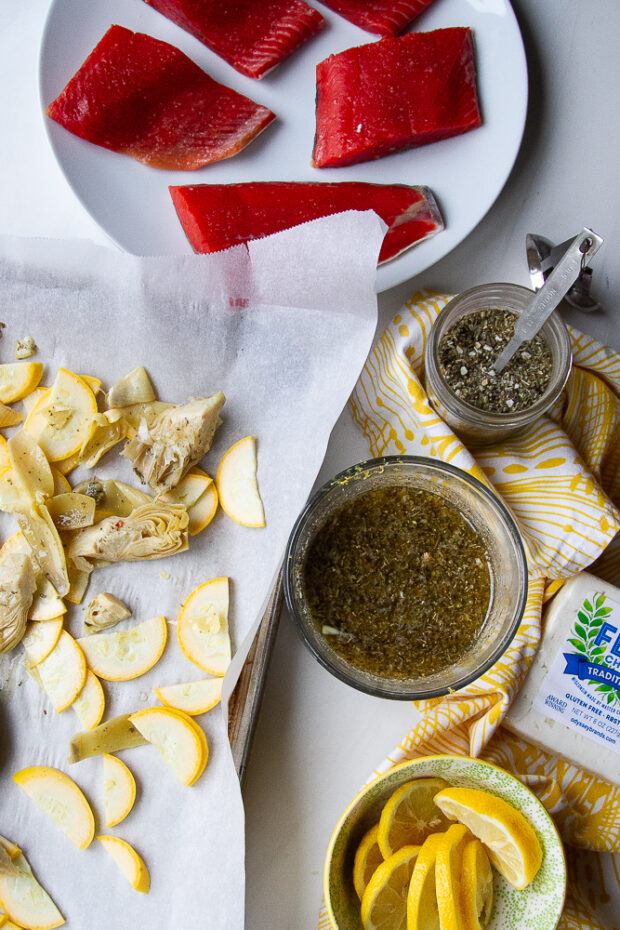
x: 251, y: 35
x: 384, y: 17
x: 395, y: 94
x: 217, y: 216
x: 144, y: 98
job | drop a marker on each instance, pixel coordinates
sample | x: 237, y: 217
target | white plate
x: 131, y: 202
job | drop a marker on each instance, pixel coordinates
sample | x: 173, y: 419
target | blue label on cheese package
x: 582, y: 686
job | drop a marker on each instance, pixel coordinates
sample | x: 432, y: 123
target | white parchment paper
x: 283, y: 330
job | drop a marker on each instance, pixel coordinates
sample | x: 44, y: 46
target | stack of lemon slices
x: 414, y: 870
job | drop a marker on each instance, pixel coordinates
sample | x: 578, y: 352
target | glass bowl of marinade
x: 406, y: 577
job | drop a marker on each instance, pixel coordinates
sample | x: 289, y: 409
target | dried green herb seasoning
x: 398, y: 582
x: 468, y: 350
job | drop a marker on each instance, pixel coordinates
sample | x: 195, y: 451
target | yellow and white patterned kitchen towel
x: 561, y: 480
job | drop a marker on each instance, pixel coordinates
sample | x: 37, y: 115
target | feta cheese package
x: 570, y: 702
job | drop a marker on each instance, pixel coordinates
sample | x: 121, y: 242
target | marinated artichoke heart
x: 17, y: 587
x: 176, y: 439
x: 151, y: 531
x: 104, y: 611
x: 134, y: 388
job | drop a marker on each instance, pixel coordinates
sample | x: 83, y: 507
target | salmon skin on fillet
x: 384, y: 17
x: 251, y: 35
x: 217, y: 216
x: 142, y: 97
x: 394, y: 94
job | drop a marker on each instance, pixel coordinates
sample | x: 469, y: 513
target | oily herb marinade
x: 398, y: 582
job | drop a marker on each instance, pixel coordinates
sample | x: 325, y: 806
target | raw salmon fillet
x: 142, y: 97
x: 385, y: 17
x: 251, y: 35
x: 394, y: 94
x: 217, y: 216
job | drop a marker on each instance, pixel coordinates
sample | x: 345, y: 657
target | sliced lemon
x: 384, y: 902
x: 509, y: 838
x: 17, y: 379
x: 59, y: 797
x: 448, y: 869
x: 367, y: 858
x: 60, y: 420
x: 422, y: 908
x: 62, y: 674
x: 410, y: 815
x: 192, y: 697
x: 202, y: 628
x: 178, y: 738
x: 129, y: 862
x: 126, y: 654
x: 476, y: 887
x: 25, y: 901
x: 237, y: 484
x: 89, y: 705
x: 40, y: 639
x: 119, y: 790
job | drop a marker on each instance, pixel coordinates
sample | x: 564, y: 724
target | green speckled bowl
x: 539, y: 905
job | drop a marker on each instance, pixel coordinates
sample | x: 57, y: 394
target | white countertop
x: 317, y: 739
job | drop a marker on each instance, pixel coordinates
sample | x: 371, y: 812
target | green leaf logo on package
x: 595, y: 640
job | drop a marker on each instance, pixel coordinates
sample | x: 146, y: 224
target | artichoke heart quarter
x: 164, y: 450
x: 17, y: 587
x: 152, y: 531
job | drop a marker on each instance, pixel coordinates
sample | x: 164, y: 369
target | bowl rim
x: 432, y: 758
x: 389, y: 461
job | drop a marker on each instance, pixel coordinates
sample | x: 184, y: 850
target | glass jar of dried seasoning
x: 467, y: 337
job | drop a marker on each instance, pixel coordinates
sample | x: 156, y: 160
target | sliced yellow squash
x: 129, y: 862
x: 89, y: 705
x: 119, y: 790
x: 59, y: 421
x: 62, y: 674
x: 24, y: 900
x: 133, y: 388
x: 178, y: 738
x: 202, y: 628
x: 237, y: 484
x: 17, y: 379
x: 40, y: 639
x: 126, y: 654
x: 59, y: 797
x: 192, y: 697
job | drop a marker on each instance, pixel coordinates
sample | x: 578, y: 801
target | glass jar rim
x: 386, y: 687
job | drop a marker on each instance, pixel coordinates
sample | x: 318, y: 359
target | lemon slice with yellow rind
x: 119, y: 790
x: 422, y: 908
x: 448, y: 868
x: 367, y: 858
x: 410, y: 815
x: 59, y: 797
x: 384, y: 902
x: 476, y: 887
x: 178, y: 738
x: 60, y: 420
x: 126, y: 654
x: 129, y: 862
x: 509, y: 839
x: 202, y: 628
x: 17, y: 379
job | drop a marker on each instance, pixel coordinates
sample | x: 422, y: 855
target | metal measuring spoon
x: 542, y: 257
x: 559, y: 282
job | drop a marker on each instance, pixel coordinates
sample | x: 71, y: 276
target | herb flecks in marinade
x: 468, y: 350
x: 398, y: 582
